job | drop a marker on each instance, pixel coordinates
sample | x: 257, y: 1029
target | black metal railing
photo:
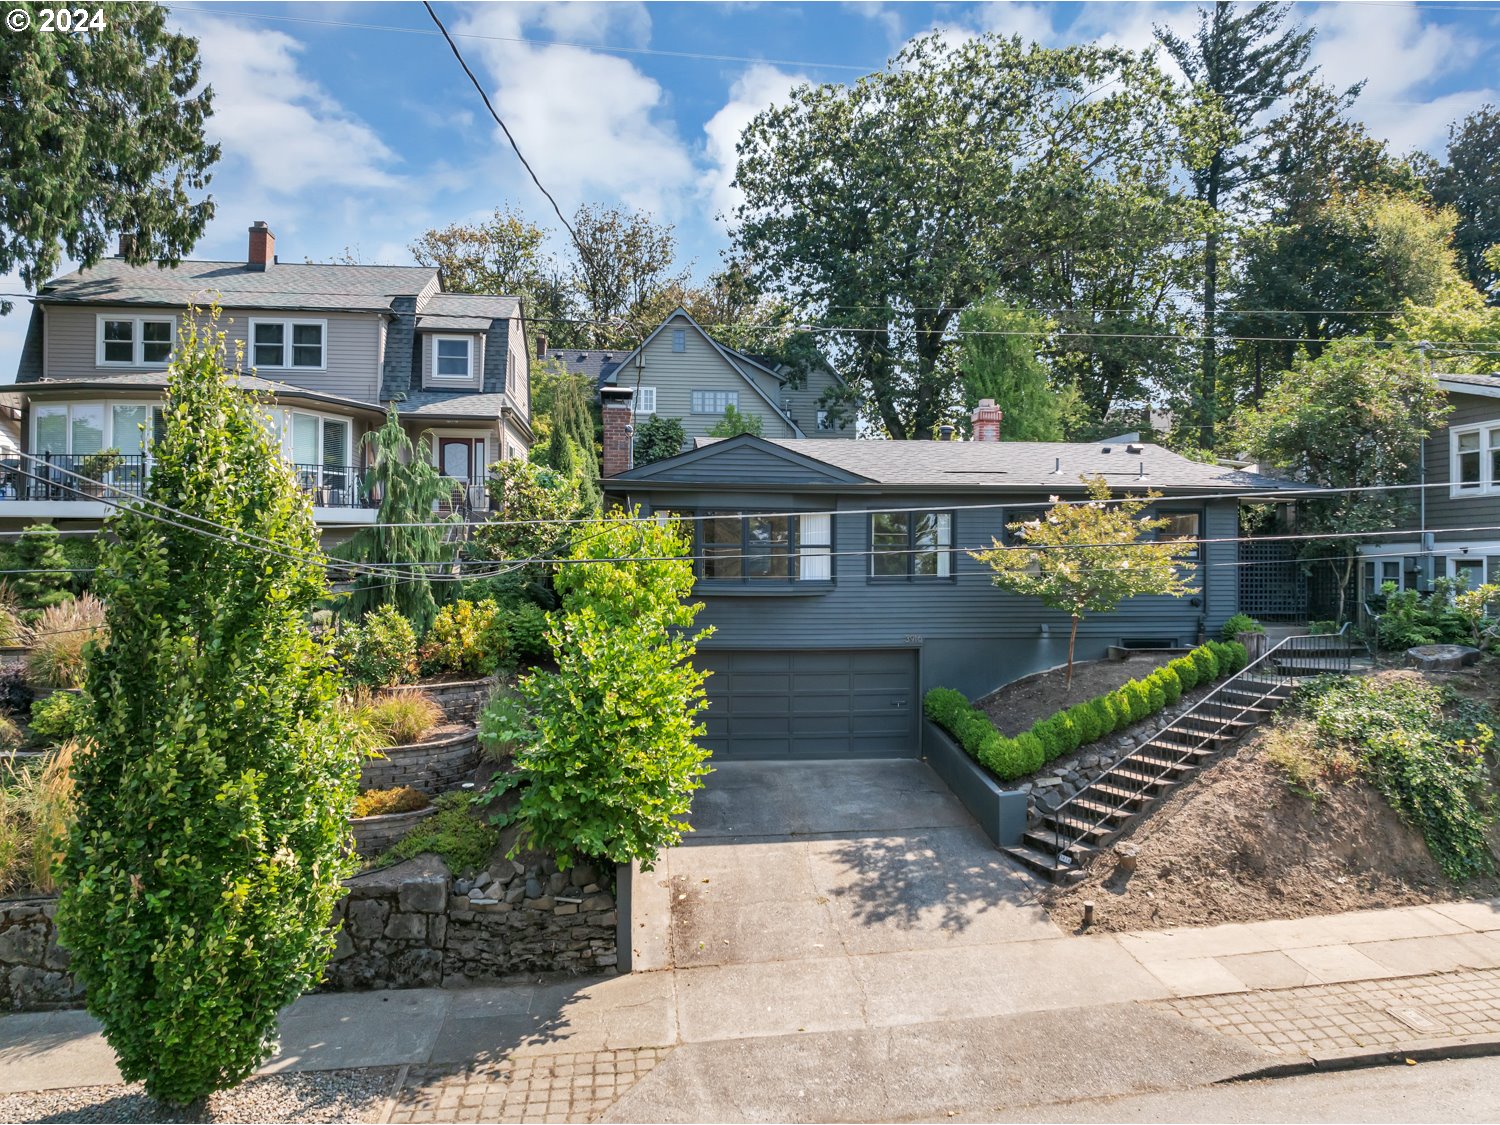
x: 1239, y: 703
x: 74, y: 476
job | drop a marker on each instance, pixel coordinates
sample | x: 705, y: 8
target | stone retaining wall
x: 459, y: 699
x: 433, y: 766
x: 404, y: 927
x: 33, y: 967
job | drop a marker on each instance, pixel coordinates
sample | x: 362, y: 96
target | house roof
x: 317, y: 287
x: 470, y: 306
x: 1486, y: 385
x: 599, y: 364
x: 157, y: 381
x: 451, y: 404
x: 1018, y: 465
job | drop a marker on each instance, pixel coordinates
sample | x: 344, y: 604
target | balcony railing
x: 64, y: 477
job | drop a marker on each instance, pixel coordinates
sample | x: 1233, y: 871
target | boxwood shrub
x: 1009, y: 758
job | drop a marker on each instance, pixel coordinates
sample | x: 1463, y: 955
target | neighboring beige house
x: 680, y: 371
x: 334, y: 346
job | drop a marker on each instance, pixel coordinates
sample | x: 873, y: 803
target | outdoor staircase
x: 1060, y: 844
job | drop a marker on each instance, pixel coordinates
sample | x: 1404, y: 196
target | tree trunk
x: 1072, y: 640
x: 1208, y: 389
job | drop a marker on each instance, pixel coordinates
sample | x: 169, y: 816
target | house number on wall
x: 913, y: 639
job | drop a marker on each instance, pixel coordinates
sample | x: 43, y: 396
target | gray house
x: 1454, y: 530
x: 837, y: 578
x: 680, y: 371
x: 332, y: 345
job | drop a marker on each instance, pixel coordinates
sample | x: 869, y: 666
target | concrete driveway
x: 810, y: 861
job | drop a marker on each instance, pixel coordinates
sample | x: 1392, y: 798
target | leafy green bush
x: 526, y: 628
x: 1240, y: 623
x: 1030, y: 752
x: 56, y: 718
x: 1322, y: 628
x: 466, y: 638
x: 606, y: 749
x: 382, y: 649
x: 456, y: 832
x: 1140, y: 700
x: 1171, y: 686
x: 1187, y: 672
x: 1206, y: 662
x: 212, y: 832
x: 1423, y: 747
x: 1086, y: 720
x: 658, y: 438
x: 1156, y: 698
x: 1409, y: 618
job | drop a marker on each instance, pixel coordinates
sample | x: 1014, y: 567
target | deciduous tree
x: 1088, y: 557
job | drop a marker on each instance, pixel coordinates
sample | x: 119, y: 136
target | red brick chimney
x: 619, y: 429
x: 986, y: 419
x: 541, y: 345
x: 262, y: 246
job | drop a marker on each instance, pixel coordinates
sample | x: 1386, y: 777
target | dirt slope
x: 1238, y: 845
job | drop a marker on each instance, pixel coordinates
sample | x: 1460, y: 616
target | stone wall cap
x: 423, y: 869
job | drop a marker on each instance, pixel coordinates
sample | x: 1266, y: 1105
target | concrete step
x: 1044, y: 864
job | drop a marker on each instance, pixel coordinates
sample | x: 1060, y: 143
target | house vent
x: 1106, y: 449
x: 1133, y: 449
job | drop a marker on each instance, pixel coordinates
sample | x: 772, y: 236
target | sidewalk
x: 568, y: 1050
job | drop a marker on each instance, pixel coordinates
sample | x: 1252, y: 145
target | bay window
x: 911, y: 545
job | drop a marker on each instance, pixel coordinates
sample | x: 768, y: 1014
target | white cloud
x: 758, y: 88
x: 591, y: 124
x: 281, y: 131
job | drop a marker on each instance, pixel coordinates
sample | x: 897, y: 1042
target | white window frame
x: 137, y: 339
x: 288, y: 450
x: 106, y: 404
x: 731, y: 398
x: 645, y: 400
x: 467, y: 378
x: 1488, y: 434
x: 288, y: 325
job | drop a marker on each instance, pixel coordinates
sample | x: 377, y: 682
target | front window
x: 453, y: 358
x: 287, y: 343
x: 715, y: 402
x: 1186, y: 528
x: 134, y: 341
x: 1378, y: 572
x: 731, y: 547
x: 1476, y: 458
x: 911, y: 545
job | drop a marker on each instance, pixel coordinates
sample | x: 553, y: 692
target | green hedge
x: 1082, y: 723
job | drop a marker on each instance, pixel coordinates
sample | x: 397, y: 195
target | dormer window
x: 453, y: 358
x: 134, y: 341
x: 288, y: 343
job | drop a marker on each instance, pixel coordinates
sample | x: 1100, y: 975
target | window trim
x: 289, y: 324
x: 137, y: 339
x: 471, y: 355
x: 910, y: 550
x: 679, y: 340
x: 1488, y: 433
x: 106, y: 404
x: 1196, y: 558
x: 731, y: 398
x: 640, y: 400
x: 747, y: 583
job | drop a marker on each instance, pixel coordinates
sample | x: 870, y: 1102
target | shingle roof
x: 282, y: 286
x: 599, y: 364
x: 1485, y: 382
x: 463, y: 404
x: 1030, y: 465
x: 474, y: 306
x: 157, y: 380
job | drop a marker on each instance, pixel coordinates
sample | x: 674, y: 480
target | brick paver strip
x: 523, y: 1088
x: 1313, y: 1019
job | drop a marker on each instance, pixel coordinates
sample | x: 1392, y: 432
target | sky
x: 350, y: 127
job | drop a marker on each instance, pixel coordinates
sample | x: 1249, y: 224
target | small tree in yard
x: 1089, y: 557
x: 605, y: 753
x: 1354, y: 418
x: 212, y: 802
x: 658, y: 438
x: 735, y: 423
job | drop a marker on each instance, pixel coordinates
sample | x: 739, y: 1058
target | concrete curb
x: 1356, y: 1058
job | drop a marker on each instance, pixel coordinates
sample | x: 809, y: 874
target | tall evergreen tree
x: 213, y: 798
x: 1469, y: 182
x: 999, y: 361
x: 573, y: 425
x: 1244, y: 62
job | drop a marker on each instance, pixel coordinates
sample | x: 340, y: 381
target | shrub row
x: 1062, y: 733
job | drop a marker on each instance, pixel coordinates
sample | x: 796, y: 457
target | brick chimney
x: 127, y: 245
x: 262, y: 246
x: 986, y: 419
x: 619, y: 429
x: 541, y: 345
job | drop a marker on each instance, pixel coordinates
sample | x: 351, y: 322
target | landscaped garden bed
x: 1297, y: 822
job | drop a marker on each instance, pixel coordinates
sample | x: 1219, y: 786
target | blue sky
x: 350, y: 124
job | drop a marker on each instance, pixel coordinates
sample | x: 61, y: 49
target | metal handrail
x: 1162, y: 767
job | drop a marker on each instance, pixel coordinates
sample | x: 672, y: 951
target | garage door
x: 810, y: 705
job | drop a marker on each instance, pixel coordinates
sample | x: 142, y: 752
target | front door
x: 463, y: 460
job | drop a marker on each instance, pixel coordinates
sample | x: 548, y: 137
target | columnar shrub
x: 213, y: 798
x: 606, y: 751
x: 47, y: 580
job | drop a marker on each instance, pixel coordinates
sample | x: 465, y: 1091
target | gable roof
x: 946, y: 466
x: 815, y: 471
x: 330, y: 288
x: 599, y: 364
x: 1487, y: 386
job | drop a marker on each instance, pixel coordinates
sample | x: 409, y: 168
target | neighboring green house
x: 680, y: 371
